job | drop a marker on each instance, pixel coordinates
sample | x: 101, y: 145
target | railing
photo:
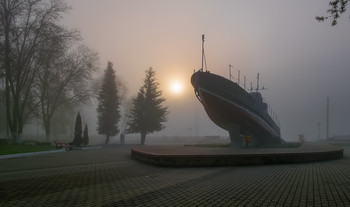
x: 269, y: 110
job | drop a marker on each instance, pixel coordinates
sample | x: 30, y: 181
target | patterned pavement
x: 109, y: 177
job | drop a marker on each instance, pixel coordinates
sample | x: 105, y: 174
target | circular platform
x: 187, y: 156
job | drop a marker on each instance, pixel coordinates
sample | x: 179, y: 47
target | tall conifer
x: 147, y: 114
x: 77, y: 131
x: 86, y: 135
x: 108, y: 107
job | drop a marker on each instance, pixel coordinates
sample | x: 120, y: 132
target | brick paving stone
x: 109, y: 177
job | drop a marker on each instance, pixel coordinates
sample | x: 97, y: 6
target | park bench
x: 60, y: 144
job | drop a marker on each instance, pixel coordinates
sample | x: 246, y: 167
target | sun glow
x: 176, y: 87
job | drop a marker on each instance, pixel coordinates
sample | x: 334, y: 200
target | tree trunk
x: 143, y: 138
x: 8, y: 113
x: 14, y: 124
x: 47, y: 130
x: 107, y: 139
x: 7, y: 63
x: 20, y: 130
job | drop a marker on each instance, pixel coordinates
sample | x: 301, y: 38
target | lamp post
x: 319, y: 131
x: 327, y: 134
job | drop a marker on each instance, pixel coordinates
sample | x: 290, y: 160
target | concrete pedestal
x: 236, y: 141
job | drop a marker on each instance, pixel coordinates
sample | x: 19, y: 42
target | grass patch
x: 7, y: 149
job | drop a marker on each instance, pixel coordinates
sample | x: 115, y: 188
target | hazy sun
x: 176, y: 87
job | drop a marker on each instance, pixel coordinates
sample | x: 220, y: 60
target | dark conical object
x: 77, y: 131
x: 86, y: 136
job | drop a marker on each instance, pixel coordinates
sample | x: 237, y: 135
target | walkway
x: 109, y: 177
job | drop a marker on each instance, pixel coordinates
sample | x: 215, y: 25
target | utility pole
x: 319, y: 131
x: 244, y: 82
x: 196, y: 123
x: 327, y: 130
x: 239, y: 74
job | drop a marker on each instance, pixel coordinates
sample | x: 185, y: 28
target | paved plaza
x: 108, y: 176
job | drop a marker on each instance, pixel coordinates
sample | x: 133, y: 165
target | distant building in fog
x: 340, y: 138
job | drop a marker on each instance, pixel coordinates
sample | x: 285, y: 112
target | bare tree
x: 64, y: 79
x: 43, y: 63
x: 24, y: 26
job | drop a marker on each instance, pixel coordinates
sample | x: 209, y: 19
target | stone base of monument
x: 190, y: 156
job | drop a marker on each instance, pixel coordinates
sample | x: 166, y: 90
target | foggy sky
x: 300, y: 60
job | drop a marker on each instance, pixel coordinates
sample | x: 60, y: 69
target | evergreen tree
x: 86, y: 135
x: 108, y: 106
x: 77, y: 131
x: 147, y: 114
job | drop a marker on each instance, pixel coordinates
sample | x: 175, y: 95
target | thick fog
x: 300, y: 61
